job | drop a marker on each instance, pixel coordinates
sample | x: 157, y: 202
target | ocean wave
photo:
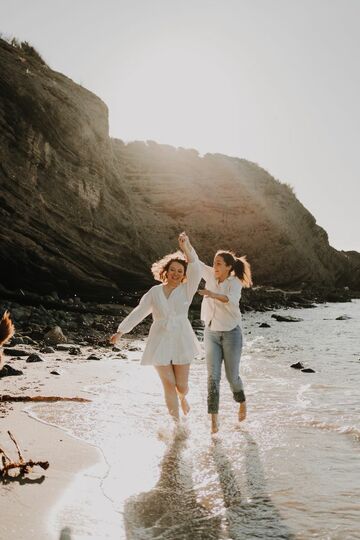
x: 327, y: 426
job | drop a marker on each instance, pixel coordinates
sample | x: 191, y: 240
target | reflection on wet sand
x: 170, y: 510
x: 253, y: 515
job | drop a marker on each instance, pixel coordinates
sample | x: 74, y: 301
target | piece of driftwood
x: 7, y: 398
x: 23, y: 466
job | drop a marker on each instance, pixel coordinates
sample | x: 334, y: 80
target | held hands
x: 115, y: 338
x: 205, y: 292
x: 184, y: 242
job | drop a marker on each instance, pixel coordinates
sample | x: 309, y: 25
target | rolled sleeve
x: 234, y: 292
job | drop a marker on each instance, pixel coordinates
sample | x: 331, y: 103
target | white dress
x: 171, y: 339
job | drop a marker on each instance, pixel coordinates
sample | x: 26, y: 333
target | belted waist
x: 172, y: 321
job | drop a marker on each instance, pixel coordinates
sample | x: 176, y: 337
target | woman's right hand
x: 115, y: 338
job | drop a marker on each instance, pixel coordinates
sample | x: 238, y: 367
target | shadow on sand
x: 253, y: 516
x: 170, y: 511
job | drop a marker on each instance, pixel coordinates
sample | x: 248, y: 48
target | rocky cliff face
x: 83, y: 213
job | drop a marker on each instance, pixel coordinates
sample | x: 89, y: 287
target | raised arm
x: 135, y: 317
x: 193, y: 273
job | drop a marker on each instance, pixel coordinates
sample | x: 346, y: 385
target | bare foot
x: 242, y: 411
x: 214, y: 423
x: 185, y: 407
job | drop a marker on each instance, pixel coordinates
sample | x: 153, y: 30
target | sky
x: 276, y: 82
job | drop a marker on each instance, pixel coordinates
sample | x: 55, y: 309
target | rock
x: 308, y: 370
x: 55, y: 336
x: 93, y: 357
x: 122, y: 356
x: 264, y: 325
x: 29, y: 341
x: 298, y: 365
x: 133, y: 348
x: 343, y: 318
x: 66, y: 346
x: 8, y: 371
x: 285, y: 318
x: 34, y: 358
x: 47, y: 350
x: 54, y: 372
x: 15, y: 352
x: 74, y: 351
x: 16, y: 340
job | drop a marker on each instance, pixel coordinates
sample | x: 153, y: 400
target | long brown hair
x: 239, y: 265
x: 160, y: 268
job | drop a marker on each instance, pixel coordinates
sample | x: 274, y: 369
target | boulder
x: 34, y: 358
x: 15, y: 352
x: 55, y: 336
x: 8, y: 371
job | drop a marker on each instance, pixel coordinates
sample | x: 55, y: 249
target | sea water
x: 290, y: 471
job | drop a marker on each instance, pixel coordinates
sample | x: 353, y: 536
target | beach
x: 118, y: 469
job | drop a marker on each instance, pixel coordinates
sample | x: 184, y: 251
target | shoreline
x: 28, y: 503
x: 32, y: 506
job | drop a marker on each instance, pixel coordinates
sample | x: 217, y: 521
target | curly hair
x: 160, y: 268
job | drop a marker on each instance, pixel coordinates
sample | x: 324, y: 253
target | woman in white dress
x: 171, y: 343
x: 221, y: 314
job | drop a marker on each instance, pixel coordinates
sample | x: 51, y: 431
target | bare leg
x: 167, y: 376
x: 242, y: 411
x: 182, y: 385
x: 214, y: 423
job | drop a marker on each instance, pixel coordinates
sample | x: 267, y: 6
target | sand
x: 29, y: 506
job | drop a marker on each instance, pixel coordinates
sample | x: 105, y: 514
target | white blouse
x: 171, y: 338
x: 220, y: 316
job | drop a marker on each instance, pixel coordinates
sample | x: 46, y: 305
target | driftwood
x: 7, y: 398
x: 22, y: 465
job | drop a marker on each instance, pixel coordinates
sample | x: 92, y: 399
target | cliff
x: 83, y: 213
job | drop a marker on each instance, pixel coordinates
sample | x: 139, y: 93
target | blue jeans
x: 221, y: 346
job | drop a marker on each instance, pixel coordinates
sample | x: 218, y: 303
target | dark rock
x: 16, y: 340
x: 65, y: 346
x: 298, y: 365
x: 47, y: 350
x: 8, y: 371
x: 122, y: 356
x: 343, y: 318
x: 34, y: 358
x: 93, y: 357
x: 264, y: 325
x: 285, y: 318
x: 54, y: 372
x: 74, y: 351
x: 28, y: 341
x: 308, y: 370
x: 15, y: 352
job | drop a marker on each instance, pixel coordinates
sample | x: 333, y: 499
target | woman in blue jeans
x: 221, y: 314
